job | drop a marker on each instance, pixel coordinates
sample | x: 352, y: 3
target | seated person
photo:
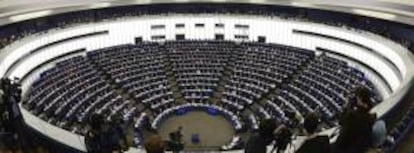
x: 379, y: 136
x: 314, y: 143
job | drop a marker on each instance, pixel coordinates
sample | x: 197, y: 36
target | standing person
x: 179, y: 134
x: 111, y: 139
x: 101, y: 138
x: 93, y: 136
x: 174, y: 144
x: 118, y: 126
x: 283, y: 137
x: 258, y: 142
x: 356, y: 124
x: 314, y: 143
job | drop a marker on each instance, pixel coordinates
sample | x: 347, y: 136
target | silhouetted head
x: 311, y: 122
x: 267, y: 127
x: 172, y: 136
x: 96, y: 121
x: 155, y: 145
x: 363, y: 98
x: 5, y: 83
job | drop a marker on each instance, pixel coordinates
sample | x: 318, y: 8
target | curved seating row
x: 234, y: 119
x: 275, y: 79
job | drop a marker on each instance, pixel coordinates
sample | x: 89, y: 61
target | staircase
x: 116, y: 87
x: 225, y: 78
x: 275, y: 91
x: 172, y: 81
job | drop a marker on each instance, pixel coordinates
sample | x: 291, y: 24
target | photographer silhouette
x: 258, y: 142
x: 356, y: 123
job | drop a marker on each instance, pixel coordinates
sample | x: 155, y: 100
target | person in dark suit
x: 283, y: 138
x: 174, y: 144
x: 93, y: 140
x: 258, y: 142
x: 101, y: 138
x: 179, y: 134
x: 356, y: 124
x: 314, y: 143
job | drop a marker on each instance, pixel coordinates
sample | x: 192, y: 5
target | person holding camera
x: 258, y: 142
x: 283, y: 138
x: 313, y: 143
x: 356, y: 123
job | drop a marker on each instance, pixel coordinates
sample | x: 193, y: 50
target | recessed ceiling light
x: 100, y: 5
x: 302, y: 4
x: 143, y: 1
x: 257, y: 1
x: 29, y: 15
x: 181, y: 0
x: 375, y: 14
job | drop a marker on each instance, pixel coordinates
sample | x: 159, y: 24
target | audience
x: 314, y: 143
x: 252, y: 78
x: 359, y: 131
x: 356, y: 124
x: 258, y: 142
